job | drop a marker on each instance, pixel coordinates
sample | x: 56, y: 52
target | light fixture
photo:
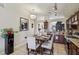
x: 33, y: 16
x: 54, y: 14
x: 53, y: 10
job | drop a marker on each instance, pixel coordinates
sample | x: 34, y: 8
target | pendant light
x: 33, y: 16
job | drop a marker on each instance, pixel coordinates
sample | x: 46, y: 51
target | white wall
x: 10, y: 18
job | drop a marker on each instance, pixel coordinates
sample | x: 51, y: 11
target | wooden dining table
x: 41, y: 39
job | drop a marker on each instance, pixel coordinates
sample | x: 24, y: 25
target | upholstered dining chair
x: 48, y: 46
x: 32, y: 45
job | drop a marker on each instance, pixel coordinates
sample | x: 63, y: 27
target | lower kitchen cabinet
x: 73, y: 49
x: 59, y: 39
x: 77, y: 51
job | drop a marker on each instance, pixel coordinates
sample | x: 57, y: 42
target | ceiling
x: 65, y: 9
x: 43, y: 9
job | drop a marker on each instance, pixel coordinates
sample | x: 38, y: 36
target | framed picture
x: 24, y: 24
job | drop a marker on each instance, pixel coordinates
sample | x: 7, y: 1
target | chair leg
x: 28, y: 51
x: 41, y: 51
x: 35, y: 53
x: 50, y: 52
x: 52, y: 49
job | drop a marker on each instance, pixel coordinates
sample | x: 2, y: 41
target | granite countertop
x: 74, y: 41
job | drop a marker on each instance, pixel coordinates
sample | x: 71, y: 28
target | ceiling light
x: 32, y: 16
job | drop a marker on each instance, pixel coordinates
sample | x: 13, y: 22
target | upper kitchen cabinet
x: 75, y: 19
x: 73, y: 23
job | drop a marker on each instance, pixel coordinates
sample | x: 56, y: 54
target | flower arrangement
x: 6, y: 31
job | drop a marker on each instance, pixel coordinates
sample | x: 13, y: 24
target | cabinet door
x: 77, y: 51
x: 56, y: 38
x: 70, y: 49
x: 73, y: 47
x: 61, y: 39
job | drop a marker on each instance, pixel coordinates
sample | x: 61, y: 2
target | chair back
x: 31, y: 42
x: 51, y: 41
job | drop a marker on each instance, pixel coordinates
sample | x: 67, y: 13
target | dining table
x: 41, y: 39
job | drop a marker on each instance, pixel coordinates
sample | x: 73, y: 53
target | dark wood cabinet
x: 73, y: 49
x: 69, y: 48
x: 59, y: 39
x: 73, y: 22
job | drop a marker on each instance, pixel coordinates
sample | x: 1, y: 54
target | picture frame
x: 24, y: 24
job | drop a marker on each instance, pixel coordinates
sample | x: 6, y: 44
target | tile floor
x: 59, y: 49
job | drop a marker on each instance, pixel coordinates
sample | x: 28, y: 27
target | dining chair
x: 32, y: 45
x: 48, y: 46
x: 50, y: 38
